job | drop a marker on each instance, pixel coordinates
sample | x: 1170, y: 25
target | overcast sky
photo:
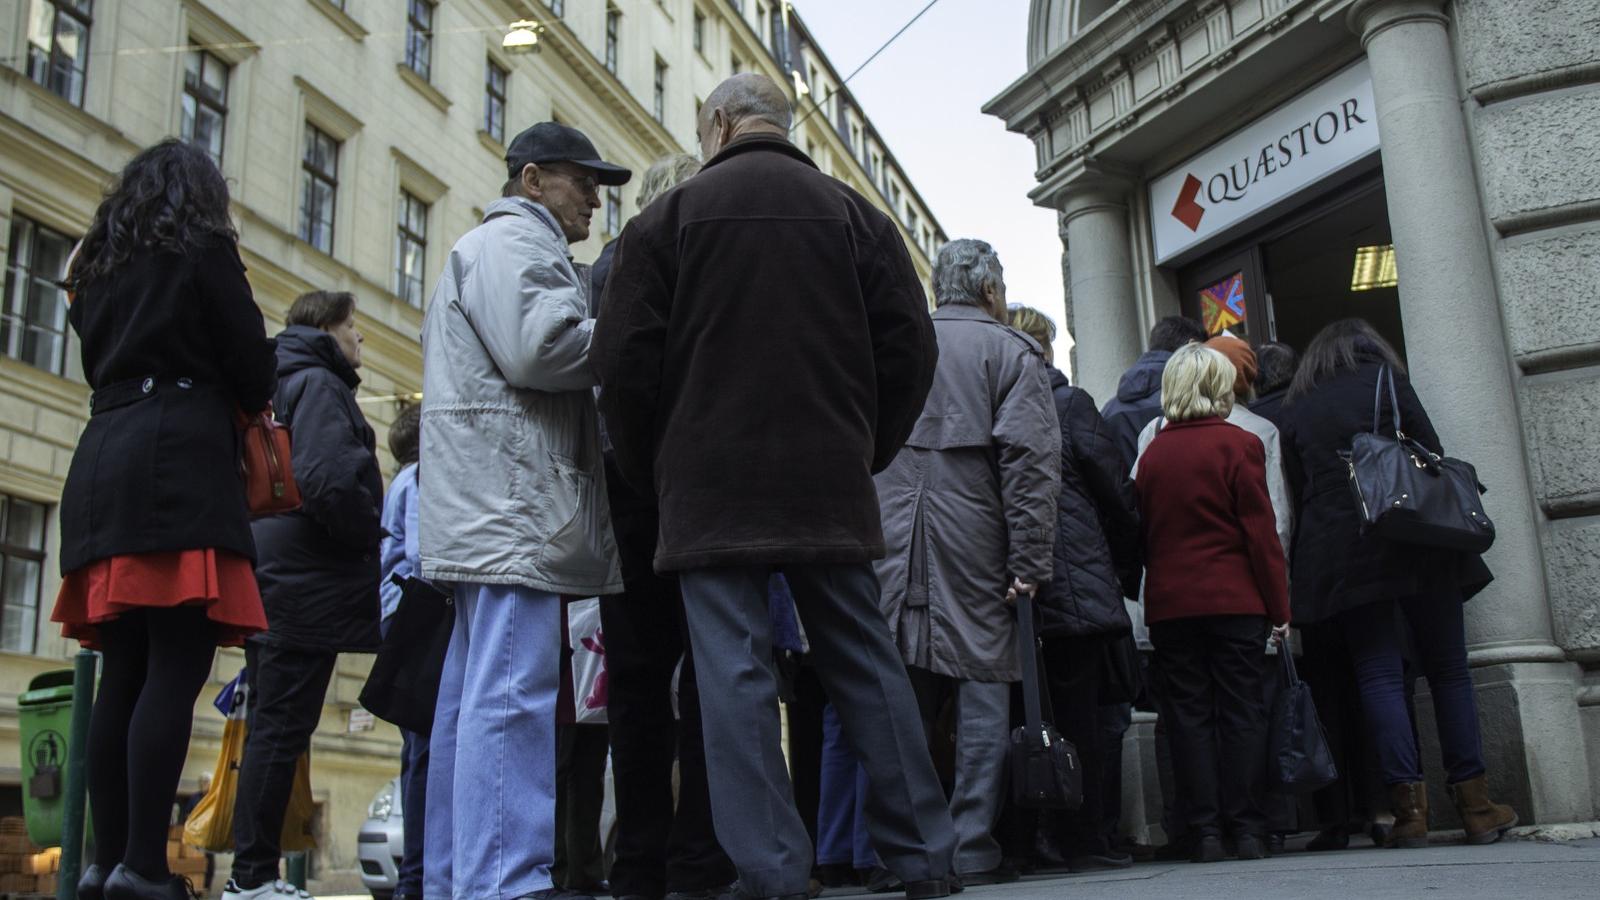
x: 925, y: 94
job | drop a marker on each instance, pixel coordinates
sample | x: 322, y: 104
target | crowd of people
x: 791, y: 487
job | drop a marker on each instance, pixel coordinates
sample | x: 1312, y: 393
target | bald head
x: 747, y: 103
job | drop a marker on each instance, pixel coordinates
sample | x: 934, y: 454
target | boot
x: 1485, y: 820
x: 1409, y: 802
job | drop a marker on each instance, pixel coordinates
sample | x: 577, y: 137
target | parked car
x: 381, y: 843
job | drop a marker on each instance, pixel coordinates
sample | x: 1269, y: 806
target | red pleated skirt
x: 222, y: 582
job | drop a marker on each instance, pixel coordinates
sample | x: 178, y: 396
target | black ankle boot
x: 125, y: 884
x: 92, y: 885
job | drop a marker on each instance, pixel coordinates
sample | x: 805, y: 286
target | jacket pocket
x: 579, y: 542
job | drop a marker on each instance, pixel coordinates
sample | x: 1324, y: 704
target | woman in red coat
x: 1214, y: 583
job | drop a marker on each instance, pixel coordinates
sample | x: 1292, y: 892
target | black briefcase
x: 403, y: 687
x: 1045, y: 773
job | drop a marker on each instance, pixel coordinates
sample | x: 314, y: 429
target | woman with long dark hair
x: 1365, y: 587
x: 156, y: 551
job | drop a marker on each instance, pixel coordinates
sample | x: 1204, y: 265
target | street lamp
x: 523, y: 37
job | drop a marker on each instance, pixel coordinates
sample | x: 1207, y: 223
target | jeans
x: 730, y: 626
x: 1212, y: 669
x: 1360, y: 792
x: 842, y: 815
x: 1438, y: 628
x: 983, y: 729
x: 287, y: 687
x: 491, y: 785
x: 414, y: 810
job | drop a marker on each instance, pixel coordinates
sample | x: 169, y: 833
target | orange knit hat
x: 1241, y: 355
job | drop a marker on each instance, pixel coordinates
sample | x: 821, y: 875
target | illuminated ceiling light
x: 1374, y: 269
x: 523, y: 37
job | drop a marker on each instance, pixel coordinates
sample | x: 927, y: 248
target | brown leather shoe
x: 1409, y: 803
x: 1485, y: 820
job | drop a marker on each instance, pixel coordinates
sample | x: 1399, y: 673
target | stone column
x: 1105, y: 313
x: 1459, y: 361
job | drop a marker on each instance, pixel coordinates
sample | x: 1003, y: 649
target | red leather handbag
x: 269, y: 483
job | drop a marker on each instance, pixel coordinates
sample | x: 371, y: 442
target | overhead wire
x: 817, y: 105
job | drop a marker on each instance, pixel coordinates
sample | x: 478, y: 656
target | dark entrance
x: 1329, y: 260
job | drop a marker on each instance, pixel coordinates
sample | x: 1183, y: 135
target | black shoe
x: 555, y: 893
x: 1330, y: 839
x: 92, y: 885
x: 1275, y: 844
x: 836, y: 875
x: 1208, y: 850
x: 956, y: 885
x: 1091, y: 862
x: 1001, y: 874
x: 1249, y: 846
x: 931, y: 889
x: 736, y: 891
x: 882, y: 881
x: 711, y: 893
x: 1378, y: 831
x: 125, y: 884
x: 1047, y: 852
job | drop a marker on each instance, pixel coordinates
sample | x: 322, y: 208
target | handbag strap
x: 1286, y: 659
x: 1028, y: 650
x: 1385, y: 376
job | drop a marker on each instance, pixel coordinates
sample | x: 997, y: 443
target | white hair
x: 964, y: 269
x: 1197, y: 382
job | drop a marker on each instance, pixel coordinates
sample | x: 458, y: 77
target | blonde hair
x: 665, y: 174
x: 1033, y: 323
x: 1197, y: 382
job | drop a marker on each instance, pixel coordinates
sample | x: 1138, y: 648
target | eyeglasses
x: 584, y: 182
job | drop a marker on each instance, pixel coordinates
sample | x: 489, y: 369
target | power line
x: 875, y: 54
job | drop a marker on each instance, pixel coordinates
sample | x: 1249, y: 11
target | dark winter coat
x: 763, y: 348
x: 1138, y: 401
x: 1270, y: 406
x: 1097, y: 555
x: 173, y: 346
x: 319, y: 564
x: 1335, y: 568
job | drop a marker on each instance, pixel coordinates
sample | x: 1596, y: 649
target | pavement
x: 1510, y: 870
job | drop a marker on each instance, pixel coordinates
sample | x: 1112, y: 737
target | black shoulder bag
x: 1408, y: 494
x: 403, y: 687
x: 1044, y: 767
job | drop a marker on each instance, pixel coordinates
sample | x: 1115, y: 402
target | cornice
x: 611, y: 91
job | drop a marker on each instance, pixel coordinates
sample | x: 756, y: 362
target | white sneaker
x: 272, y: 890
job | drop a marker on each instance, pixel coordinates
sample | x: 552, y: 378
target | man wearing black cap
x: 512, y: 512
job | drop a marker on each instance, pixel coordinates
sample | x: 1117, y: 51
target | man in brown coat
x: 764, y: 348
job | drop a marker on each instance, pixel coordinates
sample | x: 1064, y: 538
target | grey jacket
x: 512, y: 485
x: 971, y: 501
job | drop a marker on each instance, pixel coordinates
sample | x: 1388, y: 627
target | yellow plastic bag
x: 210, y: 824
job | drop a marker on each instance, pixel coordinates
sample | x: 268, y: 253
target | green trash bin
x: 44, y: 714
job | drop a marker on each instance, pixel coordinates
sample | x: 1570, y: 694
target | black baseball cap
x: 549, y: 142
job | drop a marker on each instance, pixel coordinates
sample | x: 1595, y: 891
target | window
x: 775, y: 32
x: 419, y: 37
x: 613, y: 26
x: 21, y: 570
x: 613, y: 210
x: 58, y: 46
x: 494, y: 101
x: 738, y: 64
x: 761, y: 21
x: 738, y: 6
x: 205, y: 101
x: 33, y: 321
x: 411, y: 249
x: 855, y: 136
x: 699, y: 32
x: 319, y: 188
x: 659, y: 100
x: 557, y: 7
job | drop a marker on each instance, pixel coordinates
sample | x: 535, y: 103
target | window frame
x: 658, y: 97
x: 20, y: 268
x: 197, y: 94
x: 419, y: 38
x: 491, y: 96
x: 52, y: 54
x: 613, y: 208
x: 330, y: 178
x: 39, y: 555
x: 699, y: 32
x: 558, y: 8
x: 406, y: 237
x: 613, y: 38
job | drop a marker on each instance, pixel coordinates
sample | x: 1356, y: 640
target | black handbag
x: 1408, y: 494
x: 403, y: 687
x: 1300, y: 760
x: 1045, y: 773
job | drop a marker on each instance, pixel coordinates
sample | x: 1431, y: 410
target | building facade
x: 361, y: 138
x: 1269, y: 166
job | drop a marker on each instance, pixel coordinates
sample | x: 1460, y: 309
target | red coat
x: 1211, y: 541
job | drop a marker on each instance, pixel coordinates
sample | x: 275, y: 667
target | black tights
x: 154, y: 663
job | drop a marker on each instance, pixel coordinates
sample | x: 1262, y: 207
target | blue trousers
x: 842, y: 814
x: 414, y: 805
x: 491, y: 783
x: 1438, y: 628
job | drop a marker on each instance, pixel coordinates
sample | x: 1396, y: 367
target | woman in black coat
x: 1081, y: 610
x: 156, y: 549
x: 1365, y: 586
x: 318, y: 571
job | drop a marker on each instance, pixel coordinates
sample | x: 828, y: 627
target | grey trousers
x: 983, y: 726
x: 752, y: 802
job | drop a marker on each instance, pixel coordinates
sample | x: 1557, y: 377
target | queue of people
x: 745, y: 433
